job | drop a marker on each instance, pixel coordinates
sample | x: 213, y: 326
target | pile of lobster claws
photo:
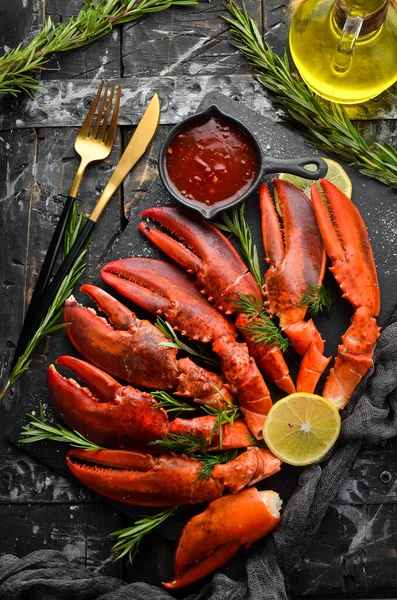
x: 164, y: 289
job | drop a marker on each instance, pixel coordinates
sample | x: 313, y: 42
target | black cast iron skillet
x: 267, y: 164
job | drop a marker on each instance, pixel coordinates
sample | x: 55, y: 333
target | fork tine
x: 91, y: 113
x: 102, y: 131
x: 95, y: 127
x: 113, y: 123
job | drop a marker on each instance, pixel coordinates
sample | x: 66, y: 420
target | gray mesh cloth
x: 371, y: 416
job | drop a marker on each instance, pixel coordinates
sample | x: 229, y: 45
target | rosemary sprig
x: 238, y: 226
x: 39, y: 430
x: 260, y: 327
x: 94, y: 20
x: 49, y: 322
x: 317, y: 298
x: 130, y: 538
x: 171, y: 404
x: 325, y: 124
x: 194, y: 350
x: 225, y: 415
x: 209, y: 461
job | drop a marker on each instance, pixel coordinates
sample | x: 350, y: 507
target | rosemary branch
x: 199, y: 351
x: 49, y: 322
x: 238, y: 226
x: 325, y: 124
x: 39, y: 430
x: 171, y: 404
x: 130, y: 537
x: 94, y: 20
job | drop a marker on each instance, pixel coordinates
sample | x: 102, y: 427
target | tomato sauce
x: 211, y: 160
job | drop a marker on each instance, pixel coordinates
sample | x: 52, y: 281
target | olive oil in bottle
x: 345, y: 50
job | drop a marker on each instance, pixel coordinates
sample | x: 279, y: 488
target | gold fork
x: 94, y: 142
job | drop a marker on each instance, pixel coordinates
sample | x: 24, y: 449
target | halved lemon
x: 301, y: 428
x: 336, y: 175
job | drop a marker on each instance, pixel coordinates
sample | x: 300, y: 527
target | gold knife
x: 137, y: 146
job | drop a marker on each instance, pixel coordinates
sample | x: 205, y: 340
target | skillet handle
x: 296, y: 166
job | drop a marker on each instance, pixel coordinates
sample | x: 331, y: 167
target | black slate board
x: 377, y: 205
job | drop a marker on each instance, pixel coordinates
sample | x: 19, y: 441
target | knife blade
x: 137, y: 146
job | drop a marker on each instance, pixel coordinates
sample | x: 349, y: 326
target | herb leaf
x: 183, y: 443
x: 39, y: 430
x: 316, y: 299
x: 130, y: 537
x: 238, y: 226
x: 196, y: 350
x: 260, y: 327
x: 171, y: 404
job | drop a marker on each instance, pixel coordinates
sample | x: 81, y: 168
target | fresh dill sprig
x: 325, y: 124
x: 260, y: 327
x: 238, y: 226
x: 130, y: 537
x: 171, y: 404
x: 209, y: 461
x: 183, y: 443
x: 194, y: 350
x: 49, y: 322
x: 39, y: 430
x: 94, y: 20
x: 223, y: 415
x: 317, y: 298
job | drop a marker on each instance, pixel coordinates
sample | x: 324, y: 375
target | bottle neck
x: 372, y: 14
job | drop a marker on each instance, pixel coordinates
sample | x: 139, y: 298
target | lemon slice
x: 336, y: 175
x: 301, y: 428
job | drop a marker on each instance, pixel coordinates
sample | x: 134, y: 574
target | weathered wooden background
x: 182, y: 54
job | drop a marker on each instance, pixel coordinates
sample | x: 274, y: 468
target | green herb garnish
x: 196, y: 350
x: 260, y: 327
x: 130, y: 537
x: 317, y: 298
x: 171, y: 404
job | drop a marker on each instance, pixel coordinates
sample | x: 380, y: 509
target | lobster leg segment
x: 164, y: 289
x: 347, y: 245
x: 167, y: 479
x: 213, y: 537
x: 220, y: 273
x: 296, y: 258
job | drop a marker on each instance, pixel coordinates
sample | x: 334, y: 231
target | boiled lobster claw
x: 296, y: 257
x: 117, y: 416
x: 164, y: 289
x: 347, y: 244
x: 203, y: 250
x: 166, y: 479
x: 132, y: 350
x: 214, y: 536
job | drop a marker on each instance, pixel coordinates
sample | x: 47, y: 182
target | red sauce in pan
x: 211, y: 160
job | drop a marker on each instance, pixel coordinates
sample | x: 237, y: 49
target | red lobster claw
x: 164, y: 289
x: 203, y: 250
x: 109, y: 414
x: 296, y: 258
x: 347, y: 245
x: 214, y: 536
x: 132, y: 350
x: 167, y: 479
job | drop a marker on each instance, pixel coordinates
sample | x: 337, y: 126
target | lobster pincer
x: 167, y: 479
x: 296, y: 258
x: 347, y: 244
x: 201, y: 249
x: 165, y: 289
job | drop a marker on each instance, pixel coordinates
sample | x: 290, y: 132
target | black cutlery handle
x: 296, y: 166
x: 45, y: 274
x: 52, y: 289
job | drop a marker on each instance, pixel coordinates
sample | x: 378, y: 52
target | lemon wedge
x: 301, y: 428
x: 336, y: 175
